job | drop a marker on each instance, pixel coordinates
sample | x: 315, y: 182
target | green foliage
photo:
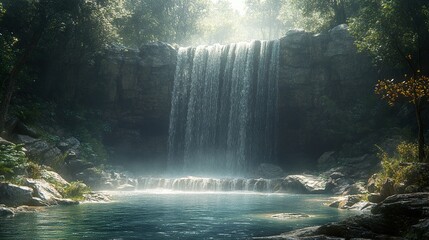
x: 87, y: 126
x: 12, y: 160
x: 386, y: 30
x: 34, y: 170
x: 319, y: 15
x: 403, y: 167
x: 75, y: 190
x: 168, y: 21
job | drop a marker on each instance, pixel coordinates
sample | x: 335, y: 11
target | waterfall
x: 224, y: 108
x: 194, y: 184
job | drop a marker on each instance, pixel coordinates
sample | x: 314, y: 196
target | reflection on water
x: 172, y: 215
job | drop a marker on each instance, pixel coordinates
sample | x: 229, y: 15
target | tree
x: 264, y: 16
x: 324, y: 14
x: 169, y: 21
x: 8, y: 85
x: 393, y: 31
x: 76, y: 28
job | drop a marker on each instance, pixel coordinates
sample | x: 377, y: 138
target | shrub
x: 12, y: 160
x: 75, y: 190
x: 34, y: 170
x: 404, y: 166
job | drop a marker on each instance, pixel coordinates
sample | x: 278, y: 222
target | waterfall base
x: 289, y: 184
x: 197, y: 184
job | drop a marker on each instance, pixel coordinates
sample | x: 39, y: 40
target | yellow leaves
x: 412, y: 89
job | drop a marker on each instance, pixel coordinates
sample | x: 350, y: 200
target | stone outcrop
x: 6, y: 212
x: 304, y: 184
x: 402, y: 216
x: 44, y: 191
x: 322, y: 78
x: 14, y: 195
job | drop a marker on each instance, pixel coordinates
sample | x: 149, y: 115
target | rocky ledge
x: 401, y: 216
x: 33, y: 193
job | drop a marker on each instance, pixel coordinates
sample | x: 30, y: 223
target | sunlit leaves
x: 413, y: 89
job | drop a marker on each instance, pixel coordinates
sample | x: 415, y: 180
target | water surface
x: 172, y: 215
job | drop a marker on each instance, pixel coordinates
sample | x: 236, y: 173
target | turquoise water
x: 172, y: 215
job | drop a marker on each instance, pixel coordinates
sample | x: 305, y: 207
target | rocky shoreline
x: 35, y: 194
x: 401, y: 216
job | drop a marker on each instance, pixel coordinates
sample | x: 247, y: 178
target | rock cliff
x: 325, y: 88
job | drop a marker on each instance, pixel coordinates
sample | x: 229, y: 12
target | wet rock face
x: 14, y: 195
x: 321, y: 77
x: 137, y: 95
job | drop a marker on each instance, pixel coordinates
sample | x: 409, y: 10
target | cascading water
x: 194, y: 184
x: 224, y: 108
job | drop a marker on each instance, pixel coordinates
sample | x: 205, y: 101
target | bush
x: 12, y: 160
x: 34, y: 170
x: 404, y: 166
x: 75, y: 190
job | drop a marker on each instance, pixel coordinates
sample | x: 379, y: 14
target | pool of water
x: 173, y: 215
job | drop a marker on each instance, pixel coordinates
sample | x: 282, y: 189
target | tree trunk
x: 10, y: 81
x: 421, y: 137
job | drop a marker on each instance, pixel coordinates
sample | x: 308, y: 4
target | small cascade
x: 224, y: 109
x: 194, y: 184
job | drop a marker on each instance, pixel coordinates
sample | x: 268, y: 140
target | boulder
x: 71, y: 143
x: 338, y: 186
x: 43, y: 190
x: 362, y: 206
x: 79, y: 165
x: 266, y: 170
x: 371, y: 184
x: 355, y: 188
x: 5, y: 142
x: 346, y: 202
x: 387, y: 188
x: 421, y: 229
x: 336, y: 175
x: 52, y: 176
x: 37, y: 148
x: 38, y: 202
x: 25, y: 139
x: 93, y: 177
x: 413, y: 205
x: 14, y: 195
x: 375, y: 198
x: 362, y: 226
x: 304, y: 184
x: 51, y: 155
x: 96, y: 197
x: 66, y: 201
x: 6, y: 212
